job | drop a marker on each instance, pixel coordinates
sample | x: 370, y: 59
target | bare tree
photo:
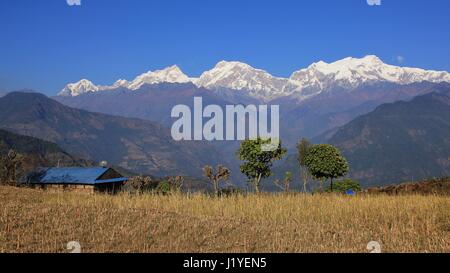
x: 10, y: 165
x: 176, y: 182
x: 286, y: 184
x: 139, y: 183
x: 302, y: 149
x: 221, y: 174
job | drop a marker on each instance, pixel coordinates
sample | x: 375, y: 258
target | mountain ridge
x: 399, y: 141
x: 406, y: 140
x: 348, y: 73
x: 138, y: 145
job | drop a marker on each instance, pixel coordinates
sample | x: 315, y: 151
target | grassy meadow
x: 38, y: 221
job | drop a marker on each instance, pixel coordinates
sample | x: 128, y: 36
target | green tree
x: 326, y: 162
x: 346, y: 185
x: 257, y: 161
x: 302, y: 150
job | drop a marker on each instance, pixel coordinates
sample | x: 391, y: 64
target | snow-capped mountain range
x: 349, y: 73
x: 241, y: 76
x: 171, y: 74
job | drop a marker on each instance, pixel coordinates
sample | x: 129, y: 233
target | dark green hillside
x: 36, y: 152
x: 134, y: 144
x: 401, y: 141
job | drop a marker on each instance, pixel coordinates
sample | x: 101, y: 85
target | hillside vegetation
x: 37, y: 221
x: 37, y: 152
x: 399, y: 141
x: 439, y: 186
x: 133, y: 144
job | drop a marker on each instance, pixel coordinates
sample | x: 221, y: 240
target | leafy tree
x: 285, y: 186
x: 302, y: 150
x: 222, y: 173
x: 326, y: 162
x: 346, y: 185
x: 257, y: 161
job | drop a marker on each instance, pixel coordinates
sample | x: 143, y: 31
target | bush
x: 163, y: 188
x: 230, y: 191
x: 140, y: 184
x: 346, y: 185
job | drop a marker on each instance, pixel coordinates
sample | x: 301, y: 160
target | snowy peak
x: 121, y: 83
x: 241, y: 76
x: 350, y: 73
x: 349, y: 62
x: 171, y: 74
x: 86, y: 86
x: 78, y: 88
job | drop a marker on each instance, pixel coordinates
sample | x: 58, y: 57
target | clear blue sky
x: 46, y: 43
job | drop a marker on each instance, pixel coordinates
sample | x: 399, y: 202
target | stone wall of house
x: 89, y: 189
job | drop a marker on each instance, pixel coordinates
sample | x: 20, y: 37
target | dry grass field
x: 37, y: 221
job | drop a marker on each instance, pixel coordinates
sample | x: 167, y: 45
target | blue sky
x: 46, y: 43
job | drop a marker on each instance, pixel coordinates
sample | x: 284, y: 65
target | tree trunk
x: 256, y: 185
x: 304, y: 178
x: 216, y: 188
x: 13, y: 176
x: 257, y: 181
x: 332, y: 184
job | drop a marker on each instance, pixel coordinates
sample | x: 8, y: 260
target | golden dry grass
x: 37, y: 221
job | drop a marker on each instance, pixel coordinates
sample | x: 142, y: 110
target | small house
x: 80, y: 179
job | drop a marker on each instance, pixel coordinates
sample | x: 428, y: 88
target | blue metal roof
x: 115, y: 180
x: 84, y: 176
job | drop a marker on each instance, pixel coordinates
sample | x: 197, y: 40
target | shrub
x: 163, y: 187
x: 140, y: 184
x: 346, y: 185
x: 230, y: 191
